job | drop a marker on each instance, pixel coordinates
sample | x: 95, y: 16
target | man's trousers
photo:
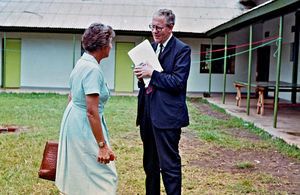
x: 161, y: 154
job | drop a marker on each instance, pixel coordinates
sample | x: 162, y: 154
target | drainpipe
x: 225, y: 61
x: 74, y: 46
x: 249, y: 70
x: 278, y: 72
x: 209, y: 64
x: 296, y: 57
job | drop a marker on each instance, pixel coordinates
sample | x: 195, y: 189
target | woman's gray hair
x: 97, y: 36
x: 168, y: 14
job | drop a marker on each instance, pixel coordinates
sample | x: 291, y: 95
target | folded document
x: 144, y: 53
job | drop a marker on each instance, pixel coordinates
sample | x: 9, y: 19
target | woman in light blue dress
x: 85, y: 161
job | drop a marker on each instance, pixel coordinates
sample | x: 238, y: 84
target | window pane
x: 218, y: 60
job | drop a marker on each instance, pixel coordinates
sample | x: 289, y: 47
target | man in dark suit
x: 162, y: 110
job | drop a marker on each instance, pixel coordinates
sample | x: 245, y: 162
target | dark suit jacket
x: 168, y: 108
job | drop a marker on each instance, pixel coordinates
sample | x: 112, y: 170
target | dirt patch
x: 242, y: 133
x: 220, y: 159
x: 205, y: 108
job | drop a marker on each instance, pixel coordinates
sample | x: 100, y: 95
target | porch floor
x: 288, y: 117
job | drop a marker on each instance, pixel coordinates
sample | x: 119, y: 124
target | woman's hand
x: 106, y: 155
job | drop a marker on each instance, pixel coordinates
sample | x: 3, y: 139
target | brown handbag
x: 48, y: 166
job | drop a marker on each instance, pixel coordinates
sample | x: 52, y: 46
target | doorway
x: 263, y: 64
x: 124, y: 73
x: 12, y: 64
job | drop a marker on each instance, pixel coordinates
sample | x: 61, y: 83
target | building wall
x: 199, y: 82
x: 47, y: 61
x: 286, y: 70
x: 108, y: 64
x: 241, y: 36
x: 47, y: 58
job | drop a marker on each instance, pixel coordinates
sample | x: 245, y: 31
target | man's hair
x: 97, y: 36
x: 168, y: 14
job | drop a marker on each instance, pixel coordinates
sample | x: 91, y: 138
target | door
x: 123, y: 74
x: 12, y: 65
x: 263, y: 63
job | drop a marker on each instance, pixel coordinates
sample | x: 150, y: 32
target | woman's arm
x: 105, y: 153
x: 69, y: 98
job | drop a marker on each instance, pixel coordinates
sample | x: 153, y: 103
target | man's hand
x: 143, y: 71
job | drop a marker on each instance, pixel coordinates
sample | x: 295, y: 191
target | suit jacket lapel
x: 168, y: 48
x: 154, y: 46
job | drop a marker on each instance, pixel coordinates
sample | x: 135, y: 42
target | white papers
x: 144, y: 53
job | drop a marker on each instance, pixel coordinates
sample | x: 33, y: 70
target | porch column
x: 209, y: 64
x: 278, y: 72
x: 249, y: 69
x: 225, y: 62
x: 296, y: 52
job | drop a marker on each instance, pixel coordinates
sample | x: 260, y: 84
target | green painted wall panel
x: 12, y: 66
x: 123, y: 74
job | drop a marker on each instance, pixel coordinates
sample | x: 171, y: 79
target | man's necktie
x: 161, y: 49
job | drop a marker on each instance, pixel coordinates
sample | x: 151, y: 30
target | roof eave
x: 270, y: 10
x: 39, y: 29
x: 80, y: 31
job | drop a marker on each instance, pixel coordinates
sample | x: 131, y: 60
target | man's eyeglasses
x: 157, y: 28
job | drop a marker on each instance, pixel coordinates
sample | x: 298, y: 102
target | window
x: 217, y: 66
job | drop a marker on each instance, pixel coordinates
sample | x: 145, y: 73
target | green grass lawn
x: 39, y: 115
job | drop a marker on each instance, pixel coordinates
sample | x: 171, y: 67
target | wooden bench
x: 260, y: 88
